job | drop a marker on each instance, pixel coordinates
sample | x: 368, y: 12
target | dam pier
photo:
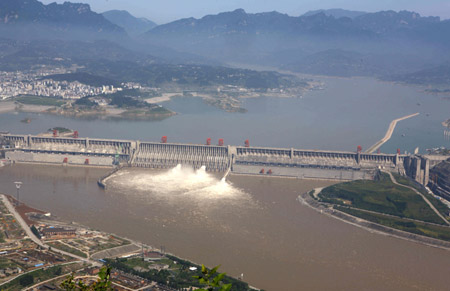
x: 297, y: 163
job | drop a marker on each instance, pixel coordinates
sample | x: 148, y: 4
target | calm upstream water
x: 347, y: 113
x: 250, y: 225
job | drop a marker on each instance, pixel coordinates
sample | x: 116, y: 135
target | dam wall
x: 318, y: 164
x: 58, y: 158
x: 311, y: 164
x: 164, y: 155
x: 303, y: 172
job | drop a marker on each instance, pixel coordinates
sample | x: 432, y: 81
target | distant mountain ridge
x: 336, y: 13
x: 370, y: 42
x: 31, y: 19
x: 239, y: 22
x: 132, y: 25
x: 326, y: 42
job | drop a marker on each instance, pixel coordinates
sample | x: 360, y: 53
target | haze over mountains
x: 336, y: 13
x: 133, y: 26
x: 30, y: 19
x: 336, y: 42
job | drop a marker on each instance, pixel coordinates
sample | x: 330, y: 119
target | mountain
x: 24, y: 55
x: 337, y: 62
x: 132, y: 25
x: 380, y: 39
x: 238, y: 36
x: 336, y: 13
x: 74, y: 24
x: 385, y: 22
x: 439, y: 75
x: 31, y: 19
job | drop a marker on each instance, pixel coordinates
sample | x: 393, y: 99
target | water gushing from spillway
x: 177, y: 183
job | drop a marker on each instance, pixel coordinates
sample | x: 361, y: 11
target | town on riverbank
x: 39, y: 252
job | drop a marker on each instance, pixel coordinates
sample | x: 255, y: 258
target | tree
x: 26, y: 280
x: 212, y: 281
x: 102, y: 284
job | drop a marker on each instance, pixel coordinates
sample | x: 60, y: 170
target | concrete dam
x: 313, y: 164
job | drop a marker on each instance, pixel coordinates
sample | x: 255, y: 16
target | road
x: 421, y: 195
x: 22, y: 222
x: 35, y: 239
x: 389, y: 132
x: 34, y: 270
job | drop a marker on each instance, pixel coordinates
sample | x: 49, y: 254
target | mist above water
x: 179, y: 183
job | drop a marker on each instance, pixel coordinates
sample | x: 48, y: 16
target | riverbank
x: 10, y: 106
x: 106, y: 112
x: 103, y: 247
x: 328, y: 210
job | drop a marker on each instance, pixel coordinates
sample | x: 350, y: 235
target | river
x: 347, y: 113
x: 249, y: 225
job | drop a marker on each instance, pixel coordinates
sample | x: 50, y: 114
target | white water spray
x: 180, y: 182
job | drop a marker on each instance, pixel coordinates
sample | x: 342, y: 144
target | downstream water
x: 347, y: 113
x: 250, y: 225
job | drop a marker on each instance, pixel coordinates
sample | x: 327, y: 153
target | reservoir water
x: 251, y: 225
x: 347, y: 113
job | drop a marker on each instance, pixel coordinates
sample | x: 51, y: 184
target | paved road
x: 421, y: 195
x: 22, y: 222
x: 389, y: 132
x: 68, y: 263
x: 35, y: 239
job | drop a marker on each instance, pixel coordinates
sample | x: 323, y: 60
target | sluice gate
x: 163, y: 155
x: 313, y: 164
x: 298, y: 163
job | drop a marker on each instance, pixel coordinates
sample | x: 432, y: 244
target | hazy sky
x: 162, y: 11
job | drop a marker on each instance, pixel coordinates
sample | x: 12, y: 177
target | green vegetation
x: 380, y: 196
x: 434, y: 231
x: 85, y: 102
x: 441, y: 207
x: 26, y: 280
x: 212, y: 280
x: 176, y: 276
x: 66, y: 248
x: 37, y: 100
x: 8, y: 263
x: 35, y: 231
x: 102, y: 284
x: 152, y: 112
x: 190, y: 76
x: 127, y: 98
x: 31, y: 278
x: 60, y: 129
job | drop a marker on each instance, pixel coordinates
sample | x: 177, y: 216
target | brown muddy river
x: 249, y: 225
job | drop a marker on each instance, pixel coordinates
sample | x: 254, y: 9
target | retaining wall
x: 29, y: 157
x: 303, y: 173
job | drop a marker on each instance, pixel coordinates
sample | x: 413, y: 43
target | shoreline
x: 138, y: 244
x: 109, y: 113
x: 307, y: 200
